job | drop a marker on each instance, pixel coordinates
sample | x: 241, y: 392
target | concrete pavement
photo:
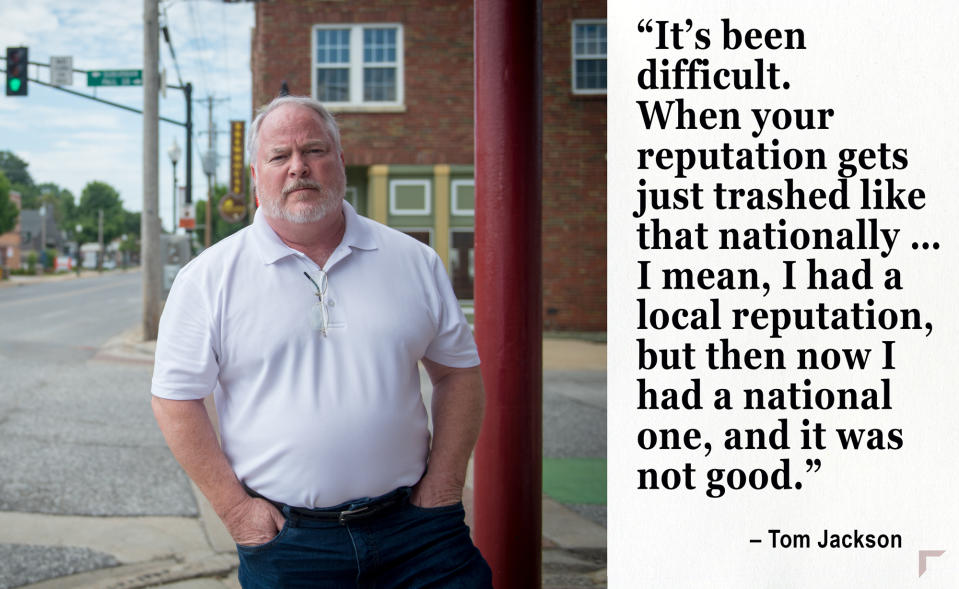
x: 195, y: 552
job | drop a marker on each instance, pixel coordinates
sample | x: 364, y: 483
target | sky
x: 71, y: 141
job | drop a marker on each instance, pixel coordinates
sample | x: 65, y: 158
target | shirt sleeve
x: 453, y: 344
x: 185, y: 367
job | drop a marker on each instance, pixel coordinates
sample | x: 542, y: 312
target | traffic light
x: 16, y: 71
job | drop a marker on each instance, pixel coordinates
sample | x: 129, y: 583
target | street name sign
x: 115, y: 78
x: 61, y: 70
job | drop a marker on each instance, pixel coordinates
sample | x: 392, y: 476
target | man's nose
x: 298, y: 166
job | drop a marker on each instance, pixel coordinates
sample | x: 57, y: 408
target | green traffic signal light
x: 16, y: 66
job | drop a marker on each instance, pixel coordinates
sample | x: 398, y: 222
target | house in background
x: 399, y: 78
x: 32, y: 233
x: 10, y: 242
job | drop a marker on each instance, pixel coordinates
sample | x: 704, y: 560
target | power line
x: 169, y: 44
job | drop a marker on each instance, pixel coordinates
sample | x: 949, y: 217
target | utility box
x: 176, y: 253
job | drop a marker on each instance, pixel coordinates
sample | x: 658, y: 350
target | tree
x: 61, y: 202
x: 97, y: 196
x: 8, y: 209
x: 20, y: 180
x: 15, y: 169
x: 131, y: 223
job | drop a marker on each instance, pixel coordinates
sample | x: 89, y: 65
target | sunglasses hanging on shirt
x: 319, y: 312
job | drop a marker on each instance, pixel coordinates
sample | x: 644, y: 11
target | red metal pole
x: 508, y: 462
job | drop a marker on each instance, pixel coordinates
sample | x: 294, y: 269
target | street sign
x: 115, y: 78
x: 188, y: 216
x: 236, y: 157
x: 61, y: 70
x: 232, y: 208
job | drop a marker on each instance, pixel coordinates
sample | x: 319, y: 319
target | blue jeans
x: 404, y: 547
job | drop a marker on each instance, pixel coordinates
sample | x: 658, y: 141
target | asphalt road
x: 77, y: 436
x: 49, y: 321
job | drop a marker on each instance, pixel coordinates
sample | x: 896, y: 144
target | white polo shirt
x: 308, y: 420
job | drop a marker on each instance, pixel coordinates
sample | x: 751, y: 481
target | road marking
x: 53, y: 313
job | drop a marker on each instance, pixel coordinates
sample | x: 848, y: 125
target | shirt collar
x: 271, y: 248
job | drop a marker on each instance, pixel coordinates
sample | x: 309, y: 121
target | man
x: 307, y: 327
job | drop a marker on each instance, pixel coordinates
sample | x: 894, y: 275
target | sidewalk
x: 15, y: 281
x: 197, y: 552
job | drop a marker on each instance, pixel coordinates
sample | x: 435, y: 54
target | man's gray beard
x: 329, y: 203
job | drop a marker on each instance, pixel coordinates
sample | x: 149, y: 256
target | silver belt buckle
x: 349, y: 512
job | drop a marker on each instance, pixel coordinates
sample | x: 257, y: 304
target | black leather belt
x: 335, y: 514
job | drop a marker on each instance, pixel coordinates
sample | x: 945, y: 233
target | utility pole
x: 188, y: 94
x: 209, y: 168
x: 150, y: 254
x: 103, y: 252
x: 43, y: 237
x: 211, y: 172
x: 211, y: 138
x: 43, y: 226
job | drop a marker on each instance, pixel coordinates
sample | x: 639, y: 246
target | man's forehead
x: 294, y: 122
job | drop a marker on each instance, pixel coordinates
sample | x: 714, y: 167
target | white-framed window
x: 410, y: 197
x: 589, y: 56
x: 462, y: 195
x: 358, y: 65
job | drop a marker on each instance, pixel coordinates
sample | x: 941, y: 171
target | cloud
x: 69, y: 162
x: 23, y: 20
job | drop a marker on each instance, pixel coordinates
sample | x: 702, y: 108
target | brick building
x: 10, y: 241
x: 399, y: 77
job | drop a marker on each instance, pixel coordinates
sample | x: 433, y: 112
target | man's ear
x: 256, y: 198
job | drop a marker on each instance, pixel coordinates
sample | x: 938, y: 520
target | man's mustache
x: 300, y: 184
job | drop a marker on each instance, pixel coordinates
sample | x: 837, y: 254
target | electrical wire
x: 166, y: 37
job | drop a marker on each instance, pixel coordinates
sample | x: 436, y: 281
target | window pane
x: 589, y: 40
x: 591, y: 74
x: 379, y: 84
x: 332, y: 46
x: 464, y: 198
x: 333, y: 85
x: 379, y: 45
x: 461, y: 264
x: 410, y: 197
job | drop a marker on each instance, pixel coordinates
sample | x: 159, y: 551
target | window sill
x: 362, y: 108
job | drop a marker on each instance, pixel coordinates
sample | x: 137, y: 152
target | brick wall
x: 574, y: 180
x: 437, y: 127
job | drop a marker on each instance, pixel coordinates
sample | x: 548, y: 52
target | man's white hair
x: 277, y: 103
